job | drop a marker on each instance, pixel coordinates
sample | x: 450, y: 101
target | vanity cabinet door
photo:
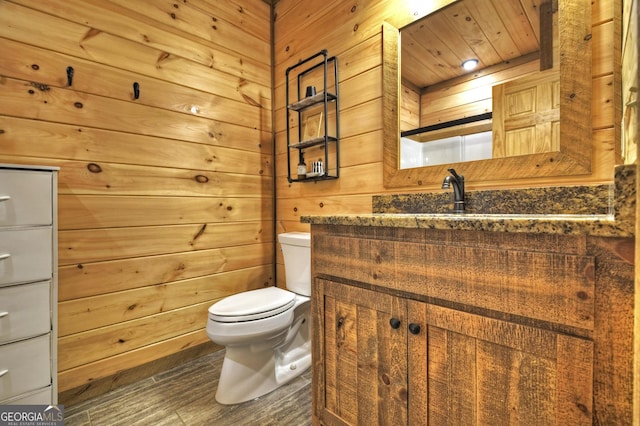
x: 360, y: 365
x: 474, y: 370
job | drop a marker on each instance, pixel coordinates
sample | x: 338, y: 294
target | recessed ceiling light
x: 470, y: 64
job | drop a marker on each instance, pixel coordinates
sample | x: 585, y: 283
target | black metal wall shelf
x: 301, y: 109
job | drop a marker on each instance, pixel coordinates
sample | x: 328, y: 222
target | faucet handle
x: 454, y: 174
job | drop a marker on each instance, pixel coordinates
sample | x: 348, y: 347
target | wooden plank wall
x: 409, y: 108
x: 166, y: 201
x: 352, y: 32
x: 465, y: 97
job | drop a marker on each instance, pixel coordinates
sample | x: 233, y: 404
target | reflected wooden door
x: 526, y: 115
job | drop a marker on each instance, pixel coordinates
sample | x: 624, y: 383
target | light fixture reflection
x: 470, y: 64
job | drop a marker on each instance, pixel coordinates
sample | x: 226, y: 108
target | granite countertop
x: 599, y: 210
x: 599, y: 225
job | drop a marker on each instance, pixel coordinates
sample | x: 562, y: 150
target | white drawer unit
x: 28, y: 284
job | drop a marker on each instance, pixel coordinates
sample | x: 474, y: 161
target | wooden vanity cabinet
x: 420, y: 327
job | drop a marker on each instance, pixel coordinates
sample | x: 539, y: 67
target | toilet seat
x: 252, y: 305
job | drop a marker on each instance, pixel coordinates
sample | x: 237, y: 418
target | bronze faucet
x: 458, y: 190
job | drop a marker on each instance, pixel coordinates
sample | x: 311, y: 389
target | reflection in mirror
x: 523, y: 144
x: 447, y: 110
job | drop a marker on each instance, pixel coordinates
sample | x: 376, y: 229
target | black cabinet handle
x: 414, y: 328
x: 394, y: 322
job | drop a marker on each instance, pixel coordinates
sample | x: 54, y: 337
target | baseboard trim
x: 107, y: 384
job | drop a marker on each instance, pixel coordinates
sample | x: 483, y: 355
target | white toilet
x: 266, y: 331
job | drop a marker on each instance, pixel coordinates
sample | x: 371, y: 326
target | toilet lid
x: 252, y: 305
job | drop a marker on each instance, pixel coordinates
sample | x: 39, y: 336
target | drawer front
x: 24, y: 366
x: 25, y: 198
x: 24, y: 311
x: 553, y: 287
x: 25, y: 255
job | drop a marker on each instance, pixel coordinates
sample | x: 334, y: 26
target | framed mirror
x: 569, y: 155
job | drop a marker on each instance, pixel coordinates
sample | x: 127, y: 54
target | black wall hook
x: 136, y: 90
x: 69, y: 76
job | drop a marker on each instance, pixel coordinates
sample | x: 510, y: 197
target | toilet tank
x: 296, y: 249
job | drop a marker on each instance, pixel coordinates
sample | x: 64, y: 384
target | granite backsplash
x: 617, y: 199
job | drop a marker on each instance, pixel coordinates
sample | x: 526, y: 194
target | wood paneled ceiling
x: 493, y: 31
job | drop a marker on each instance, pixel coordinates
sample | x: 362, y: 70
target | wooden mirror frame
x: 574, y: 156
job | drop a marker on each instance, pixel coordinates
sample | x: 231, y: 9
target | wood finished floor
x: 185, y: 396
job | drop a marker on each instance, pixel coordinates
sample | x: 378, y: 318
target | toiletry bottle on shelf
x: 302, y: 167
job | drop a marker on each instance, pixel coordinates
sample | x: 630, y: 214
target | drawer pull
x: 3, y: 372
x: 5, y: 198
x: 3, y: 314
x: 5, y: 256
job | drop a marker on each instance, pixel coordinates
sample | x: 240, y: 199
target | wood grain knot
x: 41, y: 86
x: 78, y: 105
x: 403, y: 395
x: 200, y: 232
x: 385, y: 379
x: 582, y: 408
x: 94, y: 168
x: 582, y: 295
x: 35, y: 67
x: 201, y: 179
